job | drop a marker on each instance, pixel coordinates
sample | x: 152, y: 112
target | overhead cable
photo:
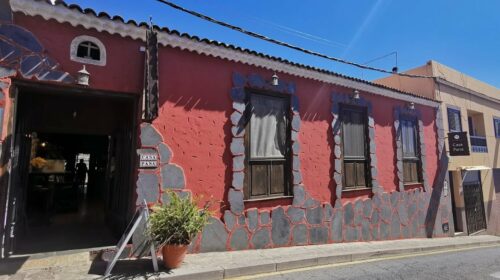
x: 284, y: 44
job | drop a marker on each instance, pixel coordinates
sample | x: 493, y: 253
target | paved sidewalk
x: 233, y: 264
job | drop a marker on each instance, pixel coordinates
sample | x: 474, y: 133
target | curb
x: 288, y: 264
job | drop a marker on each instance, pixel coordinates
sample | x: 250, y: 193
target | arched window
x: 88, y: 50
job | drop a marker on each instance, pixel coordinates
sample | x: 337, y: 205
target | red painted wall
x: 196, y: 105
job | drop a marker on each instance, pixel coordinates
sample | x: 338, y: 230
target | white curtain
x: 267, y: 126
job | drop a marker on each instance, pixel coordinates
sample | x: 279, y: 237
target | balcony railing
x: 478, y: 144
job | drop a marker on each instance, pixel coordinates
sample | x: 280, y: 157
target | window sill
x: 268, y: 198
x: 355, y: 190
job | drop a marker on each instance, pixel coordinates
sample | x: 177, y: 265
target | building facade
x: 471, y: 106
x: 292, y: 154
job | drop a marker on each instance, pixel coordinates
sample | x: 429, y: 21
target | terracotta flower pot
x: 173, y: 255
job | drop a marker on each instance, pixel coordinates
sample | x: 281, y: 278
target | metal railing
x: 478, y: 144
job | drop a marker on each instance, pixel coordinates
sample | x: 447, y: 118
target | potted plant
x: 172, y: 226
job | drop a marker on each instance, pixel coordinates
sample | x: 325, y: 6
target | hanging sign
x: 458, y: 143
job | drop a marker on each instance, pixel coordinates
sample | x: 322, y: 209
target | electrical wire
x: 284, y: 44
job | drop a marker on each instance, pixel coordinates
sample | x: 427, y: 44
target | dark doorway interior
x: 73, y: 187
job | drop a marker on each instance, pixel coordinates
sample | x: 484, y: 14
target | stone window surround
x: 241, y: 85
x: 338, y: 99
x: 400, y: 111
x: 83, y: 38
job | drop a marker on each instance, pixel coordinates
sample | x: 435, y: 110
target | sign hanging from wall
x: 458, y: 143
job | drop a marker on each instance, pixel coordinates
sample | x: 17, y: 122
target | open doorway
x: 72, y: 185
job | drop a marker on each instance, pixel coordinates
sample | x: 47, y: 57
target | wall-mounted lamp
x: 411, y: 106
x: 275, y: 80
x: 355, y: 94
x: 43, y: 144
x: 83, y: 77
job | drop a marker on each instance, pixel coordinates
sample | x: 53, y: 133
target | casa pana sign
x: 458, y: 144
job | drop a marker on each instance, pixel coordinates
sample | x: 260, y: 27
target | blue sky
x: 464, y: 35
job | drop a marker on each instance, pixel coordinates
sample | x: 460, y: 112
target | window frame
x: 352, y: 159
x: 89, y: 47
x: 455, y: 110
x: 286, y: 161
x: 75, y: 43
x: 495, y: 128
x: 417, y: 159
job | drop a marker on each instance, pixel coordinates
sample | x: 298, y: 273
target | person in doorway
x: 81, y: 173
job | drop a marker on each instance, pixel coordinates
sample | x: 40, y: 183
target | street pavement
x: 483, y: 263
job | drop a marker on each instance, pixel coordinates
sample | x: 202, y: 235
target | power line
x: 284, y: 44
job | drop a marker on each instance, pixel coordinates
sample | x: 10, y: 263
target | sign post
x: 142, y: 214
x: 458, y: 143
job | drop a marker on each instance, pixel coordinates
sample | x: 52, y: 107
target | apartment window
x: 454, y: 120
x: 411, y: 155
x: 354, y: 128
x: 496, y: 125
x: 267, y: 146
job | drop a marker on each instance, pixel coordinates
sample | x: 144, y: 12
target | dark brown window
x: 354, y: 128
x: 411, y: 154
x: 88, y: 50
x: 267, y: 146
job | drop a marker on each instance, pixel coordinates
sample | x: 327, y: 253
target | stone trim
x: 238, y: 93
x: 398, y: 113
x: 62, y: 14
x: 83, y: 38
x: 338, y: 99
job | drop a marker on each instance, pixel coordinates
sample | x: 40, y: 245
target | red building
x: 311, y: 157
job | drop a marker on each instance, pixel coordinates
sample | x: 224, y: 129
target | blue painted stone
x: 403, y: 213
x: 256, y: 81
x: 150, y: 136
x: 239, y: 80
x: 299, y: 236
x: 405, y: 231
x: 375, y: 218
x: 318, y: 235
x: 235, y: 118
x: 385, y: 231
x: 172, y: 177
x: 31, y: 65
x: 299, y: 195
x: 297, y: 177
x: 147, y: 188
x: 367, y: 208
x: 238, y: 131
x: 395, y: 227
x: 21, y: 36
x: 337, y: 226
x: 314, y: 215
x: 239, y: 106
x: 328, y: 212
x: 358, y: 205
x: 296, y: 163
x: 165, y: 153
x: 261, y: 238
x: 238, y: 178
x: 294, y: 135
x: 253, y: 219
x: 296, y: 122
x: 213, y: 237
x: 374, y: 231
x: 358, y: 218
x: 377, y: 201
x: 241, y: 219
x: 6, y: 72
x: 394, y: 199
x: 280, y: 227
x: 238, y: 94
x: 238, y: 163
x: 296, y: 148
x: 296, y: 215
x: 237, y: 146
x: 235, y: 199
x: 351, y: 234
x: 265, y: 218
x: 385, y: 212
x: 365, y: 230
x: 229, y: 219
x: 311, y: 203
x: 239, y: 239
x: 348, y: 214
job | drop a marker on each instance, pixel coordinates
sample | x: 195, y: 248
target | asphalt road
x: 483, y: 263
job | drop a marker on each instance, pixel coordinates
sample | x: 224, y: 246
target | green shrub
x: 178, y: 221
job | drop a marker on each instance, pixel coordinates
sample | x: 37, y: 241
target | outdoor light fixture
x: 83, y: 77
x: 355, y: 94
x: 43, y: 144
x: 411, y: 106
x: 275, y: 80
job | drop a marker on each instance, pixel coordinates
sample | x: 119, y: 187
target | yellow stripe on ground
x: 402, y: 256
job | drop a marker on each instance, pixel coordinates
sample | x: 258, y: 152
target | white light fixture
x: 355, y: 94
x: 83, y: 77
x: 411, y: 106
x: 275, y: 80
